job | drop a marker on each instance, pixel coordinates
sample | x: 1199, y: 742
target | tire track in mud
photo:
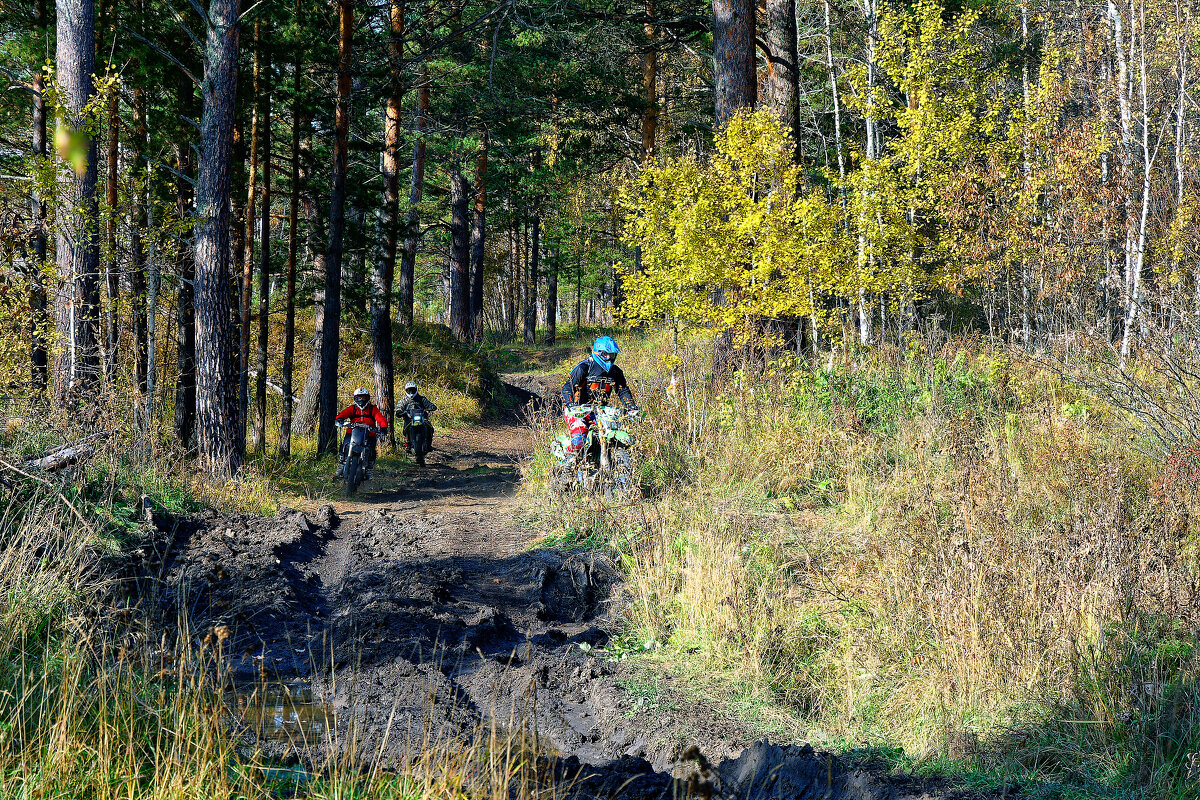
x: 418, y: 615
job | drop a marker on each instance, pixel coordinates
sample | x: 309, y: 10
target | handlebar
x: 583, y: 410
x: 341, y: 423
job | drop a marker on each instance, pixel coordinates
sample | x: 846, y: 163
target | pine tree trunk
x: 551, y: 296
x: 531, y: 278
x: 216, y: 379
x: 478, y: 241
x: 650, y: 87
x: 264, y: 269
x: 783, y: 77
x: 77, y: 302
x: 385, y: 268
x: 185, y: 318
x: 460, y: 256
x: 37, y: 292
x: 514, y: 283
x: 137, y: 245
x: 412, y: 234
x: 247, y: 280
x: 326, y: 439
x: 289, y: 319
x: 734, y: 64
x: 111, y: 266
x: 315, y: 241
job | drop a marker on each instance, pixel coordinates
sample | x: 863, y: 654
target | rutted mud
x: 423, y: 617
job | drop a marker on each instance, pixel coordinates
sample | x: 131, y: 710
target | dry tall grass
x: 943, y: 549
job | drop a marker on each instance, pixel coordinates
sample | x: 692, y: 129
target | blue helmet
x: 604, y: 352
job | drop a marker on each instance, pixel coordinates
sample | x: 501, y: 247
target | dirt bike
x: 605, y: 463
x: 420, y: 433
x: 355, y: 465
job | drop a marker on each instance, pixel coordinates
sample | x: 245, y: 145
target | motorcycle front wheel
x: 622, y: 484
x: 353, y: 474
x: 420, y: 443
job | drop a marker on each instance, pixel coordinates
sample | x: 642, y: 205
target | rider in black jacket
x: 596, y: 377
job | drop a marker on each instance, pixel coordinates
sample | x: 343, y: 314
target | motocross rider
x: 594, y: 378
x: 362, y: 411
x: 413, y: 399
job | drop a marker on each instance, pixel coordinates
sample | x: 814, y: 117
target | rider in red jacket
x: 364, y: 412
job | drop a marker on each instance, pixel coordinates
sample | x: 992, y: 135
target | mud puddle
x: 281, y: 712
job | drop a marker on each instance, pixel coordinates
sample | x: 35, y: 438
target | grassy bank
x: 944, y: 552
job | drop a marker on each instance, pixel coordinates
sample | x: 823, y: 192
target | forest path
x: 420, y: 612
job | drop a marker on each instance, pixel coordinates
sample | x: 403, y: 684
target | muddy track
x: 418, y: 614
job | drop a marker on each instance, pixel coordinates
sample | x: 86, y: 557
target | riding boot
x: 341, y: 467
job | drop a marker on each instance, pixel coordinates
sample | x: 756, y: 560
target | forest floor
x: 422, y: 612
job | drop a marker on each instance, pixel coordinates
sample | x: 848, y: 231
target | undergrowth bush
x: 942, y: 548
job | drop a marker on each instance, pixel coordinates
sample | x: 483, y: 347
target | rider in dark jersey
x: 594, y: 378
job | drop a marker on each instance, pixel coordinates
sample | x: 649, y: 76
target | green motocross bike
x: 605, y: 465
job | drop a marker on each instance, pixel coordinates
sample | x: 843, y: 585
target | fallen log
x: 66, y: 455
x: 60, y: 458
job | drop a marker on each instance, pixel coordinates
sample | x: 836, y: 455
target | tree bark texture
x: 315, y: 242
x: 551, y: 296
x: 531, y: 278
x: 783, y: 77
x: 137, y: 245
x: 289, y: 314
x: 460, y: 256
x: 478, y: 240
x: 111, y: 262
x: 412, y: 234
x: 650, y: 87
x: 326, y: 439
x: 37, y: 287
x: 247, y: 261
x: 733, y: 58
x: 77, y: 301
x: 384, y: 274
x: 185, y: 319
x: 216, y: 380
x: 264, y: 270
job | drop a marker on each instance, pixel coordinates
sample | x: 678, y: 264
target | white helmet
x: 364, y: 394
x: 410, y: 387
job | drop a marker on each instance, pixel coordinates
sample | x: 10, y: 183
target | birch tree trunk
x: 1139, y: 246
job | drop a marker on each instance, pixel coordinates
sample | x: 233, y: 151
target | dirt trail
x: 418, y: 612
